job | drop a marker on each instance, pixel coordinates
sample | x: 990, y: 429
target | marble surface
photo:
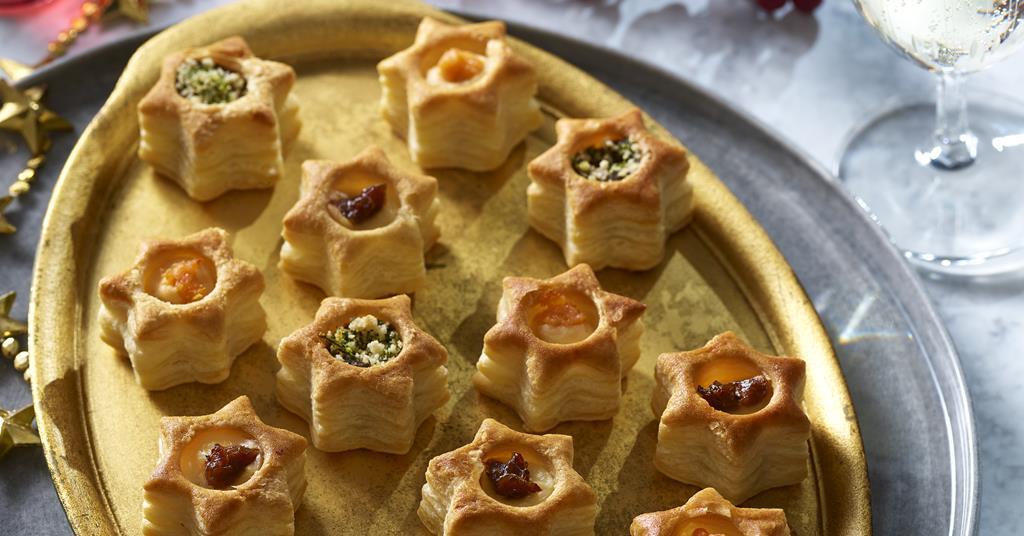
x: 811, y: 78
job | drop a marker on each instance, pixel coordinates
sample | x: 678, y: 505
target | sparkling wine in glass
x: 949, y: 192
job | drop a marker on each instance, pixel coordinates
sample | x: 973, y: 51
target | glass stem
x: 955, y: 145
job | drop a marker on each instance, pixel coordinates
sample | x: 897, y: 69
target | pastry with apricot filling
x: 507, y: 482
x: 560, y: 348
x: 219, y: 119
x: 226, y: 474
x: 360, y: 228
x: 707, y: 513
x: 363, y: 375
x: 731, y: 418
x: 183, y: 311
x: 610, y: 192
x: 460, y: 95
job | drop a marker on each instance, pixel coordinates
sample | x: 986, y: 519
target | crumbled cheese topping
x: 205, y: 82
x: 614, y: 160
x: 365, y: 342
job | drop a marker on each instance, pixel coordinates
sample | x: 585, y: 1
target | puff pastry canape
x: 707, y: 513
x: 507, y: 482
x: 560, y: 348
x: 184, y: 311
x: 731, y: 418
x: 359, y: 229
x: 226, y: 474
x: 363, y: 375
x: 219, y: 119
x: 609, y: 192
x: 459, y: 95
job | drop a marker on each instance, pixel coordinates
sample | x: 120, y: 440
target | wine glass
x: 949, y: 193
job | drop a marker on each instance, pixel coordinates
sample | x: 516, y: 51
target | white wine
x: 960, y: 35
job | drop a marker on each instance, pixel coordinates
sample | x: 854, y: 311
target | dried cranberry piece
x: 734, y: 395
x: 511, y: 479
x: 224, y: 464
x: 363, y: 205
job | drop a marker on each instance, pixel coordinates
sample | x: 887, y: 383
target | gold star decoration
x: 8, y: 326
x: 5, y: 226
x: 16, y: 429
x: 14, y: 70
x: 24, y: 113
x: 137, y: 10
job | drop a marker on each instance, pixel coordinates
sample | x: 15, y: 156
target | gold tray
x: 99, y: 429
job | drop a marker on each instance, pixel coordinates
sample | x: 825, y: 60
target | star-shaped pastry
x: 9, y: 326
x: 236, y: 140
x: 460, y: 496
x: 342, y: 401
x: 198, y: 488
x: 707, y: 513
x: 459, y: 95
x: 25, y: 114
x: 16, y: 429
x: 560, y: 348
x: 621, y: 215
x: 731, y: 418
x: 360, y: 228
x: 184, y: 311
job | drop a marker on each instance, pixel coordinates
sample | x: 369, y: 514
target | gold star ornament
x: 16, y: 429
x: 24, y: 113
x: 8, y: 326
x: 137, y: 10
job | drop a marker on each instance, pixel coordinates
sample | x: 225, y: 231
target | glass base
x: 968, y: 220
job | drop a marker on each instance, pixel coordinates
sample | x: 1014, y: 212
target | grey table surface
x: 811, y: 78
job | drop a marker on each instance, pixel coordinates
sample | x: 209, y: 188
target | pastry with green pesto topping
x: 219, y: 119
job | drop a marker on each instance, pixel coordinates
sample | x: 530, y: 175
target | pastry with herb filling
x: 460, y: 96
x: 183, y: 311
x: 731, y: 418
x: 226, y: 474
x: 363, y: 375
x: 560, y: 349
x: 219, y: 119
x: 610, y: 192
x: 360, y: 228
x: 707, y: 513
x: 508, y: 482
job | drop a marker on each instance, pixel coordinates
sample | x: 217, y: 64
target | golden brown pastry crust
x: 547, y: 383
x: 263, y: 504
x: 473, y: 124
x: 738, y: 455
x: 456, y: 503
x: 708, y: 502
x: 211, y: 148
x: 349, y: 407
x: 355, y: 261
x: 169, y: 344
x: 621, y: 224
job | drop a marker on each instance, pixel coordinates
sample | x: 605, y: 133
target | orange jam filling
x: 187, y: 279
x: 457, y: 65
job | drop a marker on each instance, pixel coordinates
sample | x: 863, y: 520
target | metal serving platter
x: 899, y: 364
